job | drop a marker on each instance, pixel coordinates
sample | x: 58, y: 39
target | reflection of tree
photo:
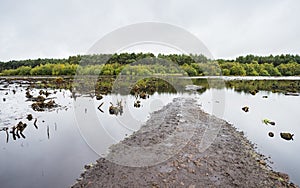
x: 16, y: 131
x: 281, y: 86
x: 7, y: 134
x: 152, y: 85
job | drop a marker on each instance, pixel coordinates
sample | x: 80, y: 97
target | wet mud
x: 229, y: 161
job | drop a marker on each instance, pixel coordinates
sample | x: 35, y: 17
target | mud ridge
x: 182, y: 146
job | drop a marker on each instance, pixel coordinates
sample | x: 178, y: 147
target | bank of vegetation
x: 148, y: 63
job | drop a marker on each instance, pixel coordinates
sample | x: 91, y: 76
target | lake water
x: 54, y: 154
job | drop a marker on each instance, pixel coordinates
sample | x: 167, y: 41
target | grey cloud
x: 31, y: 29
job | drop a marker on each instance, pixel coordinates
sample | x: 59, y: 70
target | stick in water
x: 48, y: 132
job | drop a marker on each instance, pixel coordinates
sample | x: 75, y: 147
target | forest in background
x: 148, y: 64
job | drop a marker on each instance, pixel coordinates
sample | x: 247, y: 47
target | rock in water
x: 271, y: 134
x: 267, y: 121
x: 245, y: 109
x: 29, y: 117
x: 137, y: 104
x: 99, y: 97
x: 287, y: 136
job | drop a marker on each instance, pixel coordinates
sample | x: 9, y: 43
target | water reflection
x: 281, y: 109
x: 16, y: 131
x: 6, y: 130
x: 53, y: 140
x: 141, y: 90
x: 48, y: 138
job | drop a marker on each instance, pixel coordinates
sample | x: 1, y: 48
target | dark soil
x: 229, y: 161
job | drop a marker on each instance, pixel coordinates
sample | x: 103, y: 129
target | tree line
x: 148, y: 63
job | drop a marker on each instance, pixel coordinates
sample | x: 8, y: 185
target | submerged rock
x: 39, y: 98
x: 287, y: 136
x: 29, y: 117
x: 46, y: 93
x: 245, y: 109
x: 112, y: 110
x: 272, y: 123
x: 41, y: 106
x: 137, y: 104
x: 116, y: 110
x: 99, y: 97
x: 28, y: 95
x: 271, y: 134
x: 41, y: 92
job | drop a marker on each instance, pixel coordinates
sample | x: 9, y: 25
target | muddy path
x: 182, y: 146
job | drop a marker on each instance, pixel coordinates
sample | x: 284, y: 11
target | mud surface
x: 190, y: 149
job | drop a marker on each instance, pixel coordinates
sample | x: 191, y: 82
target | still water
x: 54, y: 154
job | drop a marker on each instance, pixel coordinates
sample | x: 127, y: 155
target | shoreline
x: 226, y: 78
x: 205, y: 151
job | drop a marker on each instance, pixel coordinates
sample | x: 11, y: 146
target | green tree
x: 273, y: 71
x: 24, y: 70
x: 225, y: 72
x: 237, y: 70
x: 189, y: 70
x: 250, y: 69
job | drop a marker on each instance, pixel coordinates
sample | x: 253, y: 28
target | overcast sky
x: 229, y: 28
